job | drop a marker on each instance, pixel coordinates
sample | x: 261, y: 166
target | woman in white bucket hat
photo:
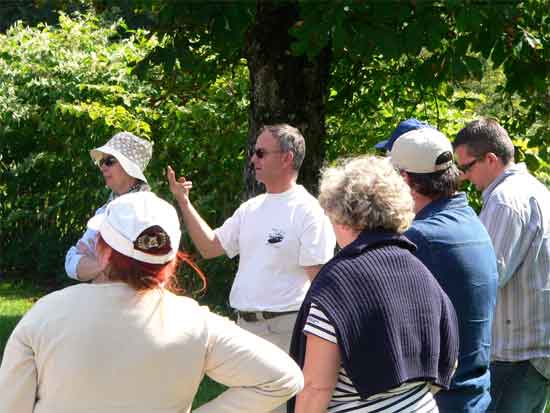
x: 138, y: 347
x: 121, y: 161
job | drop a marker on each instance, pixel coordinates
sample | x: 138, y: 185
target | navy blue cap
x: 403, y: 127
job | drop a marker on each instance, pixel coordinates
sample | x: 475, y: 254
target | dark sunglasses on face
x: 467, y: 166
x: 107, y: 161
x: 260, y: 153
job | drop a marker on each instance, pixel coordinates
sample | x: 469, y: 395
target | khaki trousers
x: 276, y: 330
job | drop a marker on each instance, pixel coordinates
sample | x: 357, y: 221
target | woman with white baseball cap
x: 121, y: 161
x: 138, y: 347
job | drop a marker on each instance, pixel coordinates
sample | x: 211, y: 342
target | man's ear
x: 492, y: 158
x: 289, y: 158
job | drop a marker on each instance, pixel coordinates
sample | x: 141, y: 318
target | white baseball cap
x: 128, y: 216
x: 132, y: 152
x: 418, y: 151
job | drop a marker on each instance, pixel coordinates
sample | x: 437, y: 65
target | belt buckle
x: 248, y: 316
x: 268, y: 315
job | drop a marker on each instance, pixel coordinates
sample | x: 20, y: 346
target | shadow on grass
x: 7, y: 324
x: 27, y: 288
x: 208, y: 390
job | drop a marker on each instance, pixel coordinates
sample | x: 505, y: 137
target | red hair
x: 143, y: 276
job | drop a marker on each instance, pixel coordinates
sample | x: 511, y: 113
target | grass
x: 16, y: 297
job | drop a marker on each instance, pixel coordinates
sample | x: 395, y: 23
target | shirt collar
x: 137, y: 187
x: 515, y: 169
x: 458, y: 200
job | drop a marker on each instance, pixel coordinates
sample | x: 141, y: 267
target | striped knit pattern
x: 393, y: 322
x: 407, y: 398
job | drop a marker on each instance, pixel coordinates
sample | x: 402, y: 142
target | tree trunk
x: 285, y: 88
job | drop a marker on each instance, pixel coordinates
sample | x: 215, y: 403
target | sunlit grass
x: 15, y: 299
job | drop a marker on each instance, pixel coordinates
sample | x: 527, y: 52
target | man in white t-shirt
x: 283, y: 237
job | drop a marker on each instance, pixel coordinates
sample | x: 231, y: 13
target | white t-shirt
x: 276, y: 236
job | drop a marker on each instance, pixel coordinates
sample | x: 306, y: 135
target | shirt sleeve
x: 260, y: 376
x: 319, y: 325
x: 18, y: 374
x: 73, y: 256
x: 317, y: 240
x: 509, y: 236
x: 228, y: 233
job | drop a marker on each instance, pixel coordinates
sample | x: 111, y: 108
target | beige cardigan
x: 103, y: 348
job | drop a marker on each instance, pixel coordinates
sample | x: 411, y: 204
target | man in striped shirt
x: 516, y: 213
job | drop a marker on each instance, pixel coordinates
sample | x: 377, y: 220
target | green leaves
x: 67, y: 89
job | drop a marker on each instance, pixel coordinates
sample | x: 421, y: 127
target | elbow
x: 71, y: 264
x: 289, y: 383
x: 207, y: 254
x: 211, y: 249
x: 296, y: 382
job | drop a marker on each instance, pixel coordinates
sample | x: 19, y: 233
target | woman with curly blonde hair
x: 375, y: 331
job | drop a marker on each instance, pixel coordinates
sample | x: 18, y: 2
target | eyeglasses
x: 107, y: 161
x: 260, y: 152
x: 467, y: 166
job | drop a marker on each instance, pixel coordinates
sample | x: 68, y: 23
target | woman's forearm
x: 313, y: 399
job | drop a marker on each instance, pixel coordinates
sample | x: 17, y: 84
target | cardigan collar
x: 369, y: 239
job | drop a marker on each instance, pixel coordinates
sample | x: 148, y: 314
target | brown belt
x: 252, y: 316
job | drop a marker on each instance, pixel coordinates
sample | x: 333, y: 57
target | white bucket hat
x: 418, y: 151
x: 125, y: 219
x: 132, y: 152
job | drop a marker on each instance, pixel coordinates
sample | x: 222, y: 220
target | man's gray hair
x: 290, y: 139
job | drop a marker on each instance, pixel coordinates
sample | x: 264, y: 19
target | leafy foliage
x: 411, y: 53
x: 390, y: 60
x: 68, y: 89
x: 63, y: 84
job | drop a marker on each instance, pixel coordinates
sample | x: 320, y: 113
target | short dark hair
x: 290, y: 140
x: 436, y: 185
x: 483, y: 136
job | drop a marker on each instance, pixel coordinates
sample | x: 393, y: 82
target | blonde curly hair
x: 366, y: 193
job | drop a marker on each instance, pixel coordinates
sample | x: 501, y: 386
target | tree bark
x: 285, y: 88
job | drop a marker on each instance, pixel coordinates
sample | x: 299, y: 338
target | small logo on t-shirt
x: 275, y: 236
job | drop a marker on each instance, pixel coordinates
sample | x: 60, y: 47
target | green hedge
x: 67, y: 89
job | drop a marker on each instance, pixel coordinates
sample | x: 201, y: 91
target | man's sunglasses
x: 260, y: 153
x: 467, y: 166
x: 107, y: 161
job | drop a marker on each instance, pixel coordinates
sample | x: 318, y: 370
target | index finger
x: 170, y: 175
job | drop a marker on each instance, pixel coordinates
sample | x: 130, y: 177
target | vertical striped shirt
x: 516, y: 213
x: 407, y: 398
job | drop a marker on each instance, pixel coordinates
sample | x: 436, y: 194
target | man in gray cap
x: 456, y: 248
